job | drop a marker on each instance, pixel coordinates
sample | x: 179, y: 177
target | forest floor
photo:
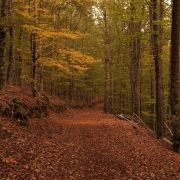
x: 84, y: 145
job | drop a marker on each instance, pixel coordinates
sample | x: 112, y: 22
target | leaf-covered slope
x: 87, y: 145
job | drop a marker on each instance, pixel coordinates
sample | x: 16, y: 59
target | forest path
x: 86, y: 145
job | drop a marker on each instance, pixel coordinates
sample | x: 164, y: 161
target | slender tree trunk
x: 3, y: 14
x: 41, y: 79
x: 135, y: 45
x: 158, y: 69
x: 34, y: 68
x: 19, y: 68
x: 108, y: 98
x: 152, y: 71
x: 10, y: 70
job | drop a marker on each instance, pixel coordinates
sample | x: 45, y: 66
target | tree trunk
x: 19, y: 68
x: 158, y: 69
x: 41, y: 79
x: 175, y: 47
x: 34, y: 68
x: 135, y: 45
x: 10, y: 70
x: 174, y: 88
x: 152, y: 76
x: 2, y: 45
x: 108, y: 98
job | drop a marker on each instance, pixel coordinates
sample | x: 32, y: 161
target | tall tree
x: 10, y: 70
x: 19, y: 68
x: 175, y: 47
x: 108, y: 107
x: 175, y: 73
x: 135, y: 48
x: 152, y: 77
x: 158, y: 67
x: 33, y: 40
x: 3, y: 15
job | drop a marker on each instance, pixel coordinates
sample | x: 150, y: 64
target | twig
x: 122, y: 117
x: 135, y: 116
x: 144, y: 123
x: 168, y: 128
x: 129, y: 120
x: 167, y: 141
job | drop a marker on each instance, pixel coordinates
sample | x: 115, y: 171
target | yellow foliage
x: 50, y: 62
x: 48, y: 33
x: 24, y: 14
x: 77, y: 56
x: 33, y: 13
x: 80, y: 68
x: 60, y: 64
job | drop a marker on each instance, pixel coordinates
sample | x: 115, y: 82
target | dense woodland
x: 125, y: 52
x: 90, y: 89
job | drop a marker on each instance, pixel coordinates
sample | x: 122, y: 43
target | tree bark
x: 174, y: 75
x: 158, y: 69
x: 152, y: 70
x: 19, y: 68
x: 108, y: 97
x: 10, y: 70
x: 34, y: 68
x: 175, y: 47
x: 3, y: 14
x: 135, y: 46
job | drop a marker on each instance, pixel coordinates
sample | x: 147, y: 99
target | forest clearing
x: 90, y: 89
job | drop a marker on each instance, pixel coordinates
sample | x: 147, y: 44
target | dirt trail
x: 85, y: 145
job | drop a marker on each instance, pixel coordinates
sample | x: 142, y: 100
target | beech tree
x: 10, y: 70
x: 108, y: 98
x: 175, y: 74
x: 3, y: 15
x: 158, y: 68
x: 175, y: 48
x: 86, y: 51
x: 135, y: 56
